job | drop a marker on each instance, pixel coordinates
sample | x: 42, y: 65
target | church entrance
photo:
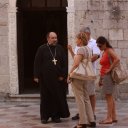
x: 34, y: 19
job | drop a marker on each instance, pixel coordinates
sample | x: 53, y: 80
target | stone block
x: 123, y: 5
x: 92, y: 15
x: 3, y: 17
x: 114, y: 44
x: 81, y: 5
x: 101, y: 32
x: 80, y: 18
x: 4, y: 13
x: 4, y: 41
x: 127, y: 60
x: 124, y: 15
x: 105, y: 15
x: 108, y: 24
x: 123, y: 44
x: 3, y: 96
x: 123, y: 88
x: 4, y: 65
x: 4, y: 83
x: 116, y: 34
x: 114, y: 24
x: 107, y: 5
x: 123, y: 61
x: 118, y: 51
x: 96, y: 23
x: 3, y: 30
x: 4, y: 48
x: 126, y: 34
x: 94, y: 5
x: 3, y: 1
x: 125, y: 52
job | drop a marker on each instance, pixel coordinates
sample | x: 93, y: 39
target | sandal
x: 115, y: 121
x: 81, y: 126
x: 105, y: 122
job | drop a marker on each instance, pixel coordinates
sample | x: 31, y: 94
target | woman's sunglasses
x: 99, y: 45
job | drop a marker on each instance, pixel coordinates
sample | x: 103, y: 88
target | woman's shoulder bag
x: 118, y: 73
x: 85, y: 69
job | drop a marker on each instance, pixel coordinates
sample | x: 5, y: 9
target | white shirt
x: 95, y: 50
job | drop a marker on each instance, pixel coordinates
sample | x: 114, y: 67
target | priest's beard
x: 53, y: 43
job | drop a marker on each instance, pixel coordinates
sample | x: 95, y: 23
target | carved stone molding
x: 71, y: 31
x: 71, y: 20
x: 12, y: 39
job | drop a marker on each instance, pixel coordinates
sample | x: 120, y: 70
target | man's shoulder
x: 93, y: 41
x: 43, y: 46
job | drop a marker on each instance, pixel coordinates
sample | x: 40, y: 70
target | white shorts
x: 91, y: 87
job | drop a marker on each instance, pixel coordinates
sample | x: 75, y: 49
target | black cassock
x: 53, y: 92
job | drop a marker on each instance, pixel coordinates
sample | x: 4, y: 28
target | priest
x: 50, y: 71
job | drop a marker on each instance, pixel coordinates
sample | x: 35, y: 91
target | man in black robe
x: 50, y: 71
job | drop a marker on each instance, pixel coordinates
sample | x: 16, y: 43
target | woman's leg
x: 108, y: 89
x: 110, y: 105
x: 78, y: 89
x: 88, y: 107
x: 114, y: 116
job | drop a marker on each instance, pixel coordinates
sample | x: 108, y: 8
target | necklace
x: 53, y: 56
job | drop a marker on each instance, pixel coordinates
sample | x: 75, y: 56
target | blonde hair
x: 83, y: 37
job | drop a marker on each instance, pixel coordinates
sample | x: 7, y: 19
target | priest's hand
x: 36, y: 80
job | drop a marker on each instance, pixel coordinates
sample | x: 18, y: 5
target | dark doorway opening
x: 32, y: 27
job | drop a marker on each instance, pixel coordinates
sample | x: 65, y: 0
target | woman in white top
x: 80, y: 87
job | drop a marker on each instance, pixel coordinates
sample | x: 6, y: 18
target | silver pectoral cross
x: 54, y: 61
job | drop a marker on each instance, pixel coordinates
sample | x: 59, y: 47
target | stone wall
x: 105, y: 17
x: 108, y: 18
x: 4, y: 47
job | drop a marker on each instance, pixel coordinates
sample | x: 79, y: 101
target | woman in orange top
x: 108, y: 61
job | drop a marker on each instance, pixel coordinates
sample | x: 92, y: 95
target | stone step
x: 121, y: 94
x: 28, y: 98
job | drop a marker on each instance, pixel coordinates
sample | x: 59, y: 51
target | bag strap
x: 110, y: 59
x: 89, y: 53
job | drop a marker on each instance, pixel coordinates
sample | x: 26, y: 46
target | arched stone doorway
x: 34, y: 19
x: 12, y: 39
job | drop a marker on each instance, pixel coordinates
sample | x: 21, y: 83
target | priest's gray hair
x: 85, y: 29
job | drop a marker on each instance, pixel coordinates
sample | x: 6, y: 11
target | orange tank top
x: 105, y: 63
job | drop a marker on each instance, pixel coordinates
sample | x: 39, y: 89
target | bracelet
x: 69, y: 74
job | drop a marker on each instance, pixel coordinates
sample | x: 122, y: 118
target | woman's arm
x: 71, y: 51
x: 77, y: 60
x: 115, y: 58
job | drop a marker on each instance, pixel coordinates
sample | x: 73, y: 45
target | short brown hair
x: 83, y: 37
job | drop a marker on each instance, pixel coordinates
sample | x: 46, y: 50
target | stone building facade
x: 105, y: 17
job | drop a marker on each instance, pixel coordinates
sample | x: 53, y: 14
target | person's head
x: 81, y: 39
x: 87, y: 31
x: 52, y: 38
x: 103, y: 43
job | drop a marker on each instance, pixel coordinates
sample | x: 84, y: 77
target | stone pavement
x: 26, y: 115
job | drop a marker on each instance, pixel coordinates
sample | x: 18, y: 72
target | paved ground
x: 26, y: 115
